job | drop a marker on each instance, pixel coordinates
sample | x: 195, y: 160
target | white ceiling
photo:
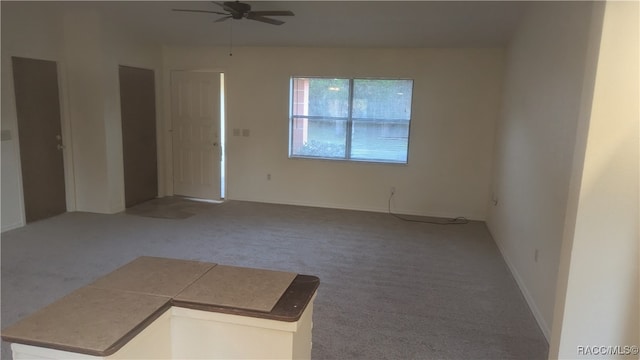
x: 322, y: 23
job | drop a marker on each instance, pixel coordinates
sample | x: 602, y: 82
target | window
x: 350, y: 119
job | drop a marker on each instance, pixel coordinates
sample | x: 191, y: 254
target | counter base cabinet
x: 182, y: 333
x: 161, y: 308
x: 154, y: 342
x: 209, y: 335
x: 28, y: 352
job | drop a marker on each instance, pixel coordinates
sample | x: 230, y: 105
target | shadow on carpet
x: 170, y: 208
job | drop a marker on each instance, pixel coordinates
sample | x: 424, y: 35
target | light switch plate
x: 236, y: 132
x: 245, y: 132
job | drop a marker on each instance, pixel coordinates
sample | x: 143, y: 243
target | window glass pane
x: 382, y: 99
x: 320, y: 97
x: 318, y: 137
x: 373, y: 123
x: 380, y: 140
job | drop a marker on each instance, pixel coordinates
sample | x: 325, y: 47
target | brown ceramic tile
x: 295, y: 300
x: 155, y: 276
x: 90, y: 320
x: 238, y: 287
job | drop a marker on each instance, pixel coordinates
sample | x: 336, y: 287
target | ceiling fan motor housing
x: 239, y: 10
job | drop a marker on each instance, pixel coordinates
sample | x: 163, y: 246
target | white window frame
x: 349, y: 122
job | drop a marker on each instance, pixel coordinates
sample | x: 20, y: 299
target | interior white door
x: 195, y: 110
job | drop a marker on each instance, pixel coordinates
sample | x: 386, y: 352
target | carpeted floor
x: 172, y: 207
x: 389, y: 289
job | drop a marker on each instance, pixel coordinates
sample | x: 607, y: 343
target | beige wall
x: 120, y: 49
x: 31, y: 33
x: 565, y: 163
x: 456, y: 102
x: 94, y: 49
x: 83, y: 49
x: 535, y: 142
x: 88, y: 51
x: 598, y: 286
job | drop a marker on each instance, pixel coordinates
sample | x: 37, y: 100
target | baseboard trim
x: 523, y: 289
x: 11, y: 227
x: 358, y: 208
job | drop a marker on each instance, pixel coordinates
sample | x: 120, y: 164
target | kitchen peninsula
x: 168, y: 309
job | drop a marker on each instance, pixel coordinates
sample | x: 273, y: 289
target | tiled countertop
x: 154, y: 276
x: 101, y: 317
x: 89, y: 320
x: 237, y: 287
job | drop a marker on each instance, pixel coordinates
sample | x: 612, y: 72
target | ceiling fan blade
x: 264, y: 19
x: 222, y: 5
x: 223, y: 18
x: 273, y: 13
x: 200, y: 11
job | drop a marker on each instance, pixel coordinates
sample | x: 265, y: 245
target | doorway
x: 40, y: 137
x: 197, y: 113
x: 139, y: 149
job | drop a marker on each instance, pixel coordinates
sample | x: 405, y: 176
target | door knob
x: 60, y: 147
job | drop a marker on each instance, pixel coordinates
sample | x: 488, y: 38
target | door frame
x: 65, y: 125
x: 168, y: 126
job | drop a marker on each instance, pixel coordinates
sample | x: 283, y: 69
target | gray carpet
x: 169, y: 208
x: 389, y: 289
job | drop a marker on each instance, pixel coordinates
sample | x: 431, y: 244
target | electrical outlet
x: 268, y: 176
x: 393, y: 190
x: 535, y: 255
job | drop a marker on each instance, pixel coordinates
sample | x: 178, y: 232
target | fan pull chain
x: 231, y: 38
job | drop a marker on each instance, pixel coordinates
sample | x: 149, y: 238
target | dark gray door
x: 138, y: 107
x: 39, y: 130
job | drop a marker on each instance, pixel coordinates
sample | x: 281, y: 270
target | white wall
x: 456, y: 102
x: 88, y: 50
x: 599, y: 286
x: 535, y: 141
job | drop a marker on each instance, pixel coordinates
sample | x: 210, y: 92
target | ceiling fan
x: 237, y: 10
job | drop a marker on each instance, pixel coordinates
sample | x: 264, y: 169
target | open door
x: 197, y: 154
x: 40, y: 136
